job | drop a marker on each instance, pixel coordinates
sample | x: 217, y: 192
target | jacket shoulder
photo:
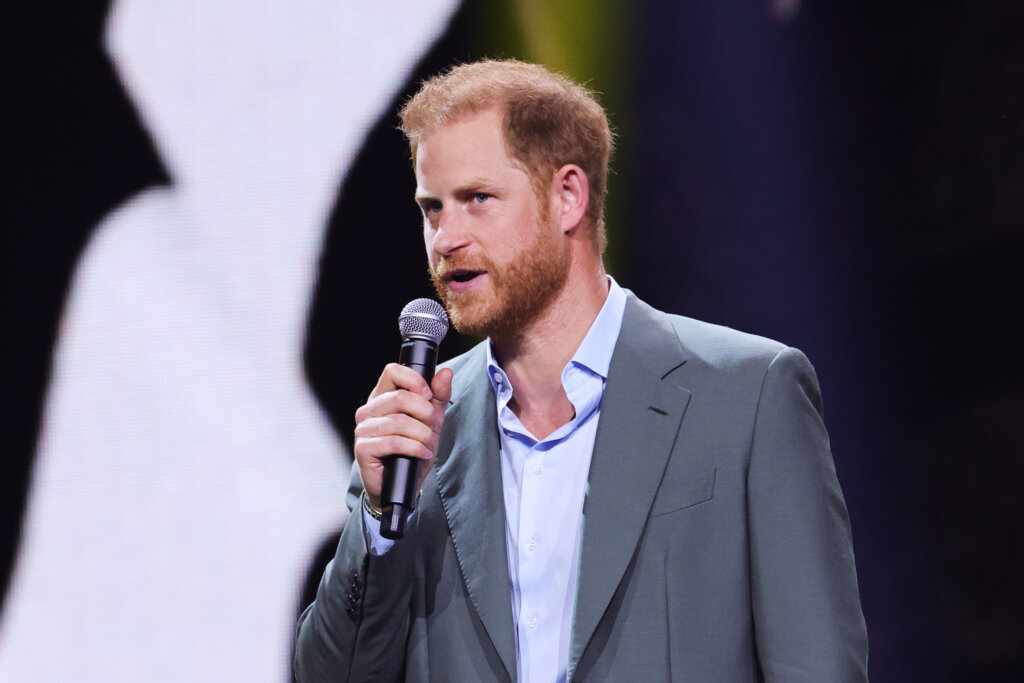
x: 718, y: 344
x: 711, y: 345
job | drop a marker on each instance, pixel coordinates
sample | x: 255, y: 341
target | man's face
x: 497, y: 259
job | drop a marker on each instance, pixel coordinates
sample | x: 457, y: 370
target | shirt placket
x: 535, y: 623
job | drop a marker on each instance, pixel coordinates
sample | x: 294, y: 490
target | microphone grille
x: 423, y: 318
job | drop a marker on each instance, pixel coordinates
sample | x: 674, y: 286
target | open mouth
x: 464, y: 275
x: 461, y: 279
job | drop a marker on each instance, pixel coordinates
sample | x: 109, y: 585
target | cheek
x: 432, y: 258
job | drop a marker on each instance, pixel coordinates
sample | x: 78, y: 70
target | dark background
x: 849, y: 181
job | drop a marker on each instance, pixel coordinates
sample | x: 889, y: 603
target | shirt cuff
x: 375, y: 543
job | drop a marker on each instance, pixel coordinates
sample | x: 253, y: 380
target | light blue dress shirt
x: 544, y: 486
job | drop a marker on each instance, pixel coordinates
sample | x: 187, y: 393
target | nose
x: 449, y: 233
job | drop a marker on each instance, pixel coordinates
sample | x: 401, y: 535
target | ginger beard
x: 518, y: 292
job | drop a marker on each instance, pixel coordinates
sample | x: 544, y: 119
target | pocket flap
x: 679, y: 492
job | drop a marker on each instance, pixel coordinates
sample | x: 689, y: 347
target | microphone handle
x: 420, y: 355
x: 401, y: 472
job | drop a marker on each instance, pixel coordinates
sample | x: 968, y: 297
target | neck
x: 534, y: 358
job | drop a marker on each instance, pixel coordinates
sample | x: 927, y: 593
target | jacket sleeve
x: 807, y: 615
x: 356, y: 628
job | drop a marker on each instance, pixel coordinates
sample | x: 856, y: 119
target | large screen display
x: 185, y: 475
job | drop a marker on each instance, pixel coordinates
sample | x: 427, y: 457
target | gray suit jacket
x: 715, y: 547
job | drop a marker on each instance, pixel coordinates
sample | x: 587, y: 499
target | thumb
x: 442, y: 386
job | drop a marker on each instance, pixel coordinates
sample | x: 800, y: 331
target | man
x: 608, y: 492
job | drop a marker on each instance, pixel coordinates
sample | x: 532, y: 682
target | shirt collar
x: 595, y: 351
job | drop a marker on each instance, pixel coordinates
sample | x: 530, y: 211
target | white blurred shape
x: 185, y: 475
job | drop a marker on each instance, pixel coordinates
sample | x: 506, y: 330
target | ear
x: 572, y: 194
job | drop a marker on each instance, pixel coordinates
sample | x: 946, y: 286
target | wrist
x: 372, y: 506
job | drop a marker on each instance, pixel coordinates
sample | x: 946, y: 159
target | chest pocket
x: 684, y: 488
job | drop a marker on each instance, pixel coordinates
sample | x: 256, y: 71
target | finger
x: 371, y: 468
x: 398, y: 425
x: 397, y: 376
x: 397, y: 401
x: 441, y: 387
x: 374, y: 448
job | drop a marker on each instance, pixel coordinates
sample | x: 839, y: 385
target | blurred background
x: 209, y: 232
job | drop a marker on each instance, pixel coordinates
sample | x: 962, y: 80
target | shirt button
x: 497, y: 377
x: 532, y: 545
x: 538, y: 470
x: 533, y: 622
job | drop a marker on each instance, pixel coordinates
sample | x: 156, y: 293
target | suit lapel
x: 469, y: 482
x: 640, y: 417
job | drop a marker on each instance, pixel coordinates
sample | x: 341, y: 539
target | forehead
x: 470, y: 144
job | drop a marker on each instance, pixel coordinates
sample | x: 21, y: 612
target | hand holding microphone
x: 397, y: 430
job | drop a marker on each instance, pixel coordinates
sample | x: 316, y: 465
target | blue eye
x: 481, y: 197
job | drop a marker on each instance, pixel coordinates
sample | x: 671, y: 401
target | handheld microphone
x: 423, y: 324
